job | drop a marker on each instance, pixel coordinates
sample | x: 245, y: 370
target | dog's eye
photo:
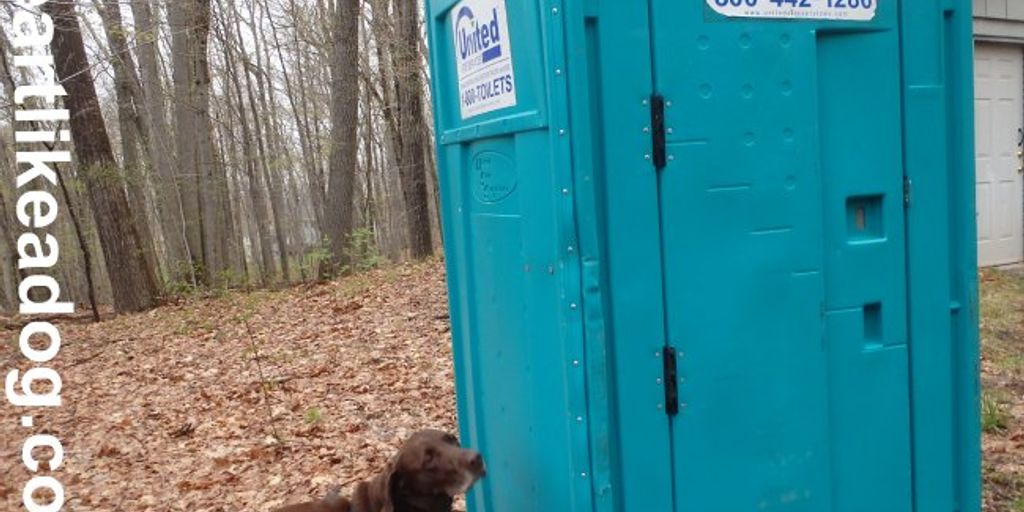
x: 429, y: 455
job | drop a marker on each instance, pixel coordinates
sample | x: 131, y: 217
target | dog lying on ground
x: 428, y: 472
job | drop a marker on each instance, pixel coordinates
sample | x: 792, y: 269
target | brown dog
x: 427, y: 473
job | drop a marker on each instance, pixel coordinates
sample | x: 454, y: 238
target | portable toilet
x: 711, y: 255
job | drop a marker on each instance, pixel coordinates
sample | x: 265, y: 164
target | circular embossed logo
x: 494, y: 176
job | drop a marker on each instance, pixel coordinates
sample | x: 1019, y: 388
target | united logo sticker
x: 483, y: 56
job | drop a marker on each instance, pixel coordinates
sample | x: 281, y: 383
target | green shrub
x: 361, y: 250
x: 994, y: 416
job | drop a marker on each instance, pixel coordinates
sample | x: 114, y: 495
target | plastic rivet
x: 671, y: 158
x: 645, y: 102
x: 647, y: 157
x: 573, y: 306
x: 668, y: 104
x: 671, y: 131
x: 561, y: 132
x: 558, y: 71
x: 647, y: 129
x: 576, y: 363
x: 659, y: 382
x: 660, y: 407
x: 565, y: 191
x: 583, y: 475
x: 554, y: 10
x: 579, y: 419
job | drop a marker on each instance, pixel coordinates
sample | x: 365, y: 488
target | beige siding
x: 1000, y: 9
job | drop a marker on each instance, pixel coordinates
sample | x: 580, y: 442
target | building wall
x: 999, y: 9
x: 999, y: 20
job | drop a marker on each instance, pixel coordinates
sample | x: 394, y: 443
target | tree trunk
x: 265, y: 260
x: 7, y: 221
x: 160, y: 146
x: 129, y: 123
x: 396, y: 231
x: 344, y: 131
x: 316, y: 187
x: 133, y: 282
x: 9, y: 274
x: 212, y: 182
x: 275, y: 179
x: 409, y: 92
x: 181, y: 19
x: 83, y: 246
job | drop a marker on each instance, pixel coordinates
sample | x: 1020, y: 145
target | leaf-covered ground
x: 242, y: 402
x: 247, y: 401
x: 1002, y: 332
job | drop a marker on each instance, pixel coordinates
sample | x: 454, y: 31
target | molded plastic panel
x: 826, y: 327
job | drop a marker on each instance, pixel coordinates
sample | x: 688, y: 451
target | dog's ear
x: 389, y: 486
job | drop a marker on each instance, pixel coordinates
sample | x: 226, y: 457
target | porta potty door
x: 783, y: 241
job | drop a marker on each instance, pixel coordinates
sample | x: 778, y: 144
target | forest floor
x: 246, y: 401
x: 1002, y: 375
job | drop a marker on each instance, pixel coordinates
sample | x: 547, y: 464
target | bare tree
x: 249, y: 132
x: 409, y: 89
x: 269, y: 157
x: 10, y: 271
x: 133, y: 281
x: 181, y: 19
x: 344, y: 131
x: 126, y: 82
x: 160, y: 145
x: 256, y: 189
x: 201, y: 180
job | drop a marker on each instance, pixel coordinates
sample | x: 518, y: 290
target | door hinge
x: 671, y: 381
x: 907, y: 188
x: 658, y: 131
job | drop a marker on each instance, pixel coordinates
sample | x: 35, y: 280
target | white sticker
x: 849, y: 10
x: 483, y: 56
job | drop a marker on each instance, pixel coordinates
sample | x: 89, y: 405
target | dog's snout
x: 476, y: 463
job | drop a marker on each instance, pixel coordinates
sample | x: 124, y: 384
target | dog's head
x: 431, y: 466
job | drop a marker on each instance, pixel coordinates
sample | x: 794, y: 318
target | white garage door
x: 999, y: 87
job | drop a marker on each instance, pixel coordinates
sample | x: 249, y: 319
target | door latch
x: 658, y: 131
x: 671, y: 381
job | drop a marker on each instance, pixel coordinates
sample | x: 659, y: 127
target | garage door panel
x: 983, y: 143
x: 1008, y: 207
x: 984, y: 213
x: 1006, y: 116
x: 999, y: 109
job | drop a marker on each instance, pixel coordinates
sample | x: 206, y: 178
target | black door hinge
x: 907, y: 186
x: 671, y: 381
x: 658, y: 131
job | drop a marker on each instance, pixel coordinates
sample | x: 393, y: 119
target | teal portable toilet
x: 711, y: 255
